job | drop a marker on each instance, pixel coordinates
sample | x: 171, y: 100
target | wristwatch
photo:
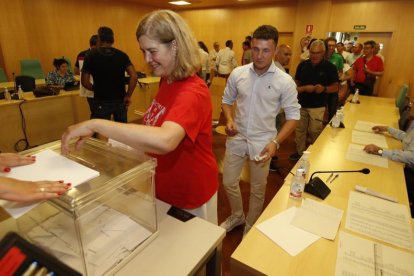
x: 380, y: 151
x: 274, y: 141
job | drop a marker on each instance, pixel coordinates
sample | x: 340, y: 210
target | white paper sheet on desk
x: 49, y: 165
x: 290, y: 238
x: 379, y: 218
x: 366, y: 126
x: 356, y: 153
x: 366, y: 138
x: 320, y: 219
x: 358, y: 256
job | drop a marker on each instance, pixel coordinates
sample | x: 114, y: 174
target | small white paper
x: 356, y: 153
x: 320, y: 219
x: 366, y: 126
x: 366, y: 138
x: 290, y: 238
x: 49, y: 165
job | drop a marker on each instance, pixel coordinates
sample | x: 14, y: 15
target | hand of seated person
x: 371, y: 148
x: 379, y: 129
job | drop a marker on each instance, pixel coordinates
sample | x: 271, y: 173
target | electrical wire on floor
x: 22, y: 144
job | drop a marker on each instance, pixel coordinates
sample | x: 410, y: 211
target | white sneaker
x: 231, y: 222
x: 246, y: 230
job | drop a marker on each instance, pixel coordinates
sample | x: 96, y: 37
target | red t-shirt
x: 186, y: 177
x: 374, y: 64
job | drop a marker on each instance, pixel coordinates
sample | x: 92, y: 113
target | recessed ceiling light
x: 179, y: 3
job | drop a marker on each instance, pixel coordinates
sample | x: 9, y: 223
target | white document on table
x: 358, y: 256
x: 380, y: 219
x: 49, y: 165
x: 366, y: 126
x: 290, y: 238
x: 320, y: 219
x: 366, y: 138
x: 356, y: 153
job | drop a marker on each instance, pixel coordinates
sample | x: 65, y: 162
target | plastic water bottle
x: 298, y: 185
x: 335, y: 121
x: 20, y: 93
x: 340, y: 115
x: 304, y: 164
x: 355, y: 98
x: 7, y: 95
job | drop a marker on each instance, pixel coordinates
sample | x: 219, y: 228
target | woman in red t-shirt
x: 177, y: 125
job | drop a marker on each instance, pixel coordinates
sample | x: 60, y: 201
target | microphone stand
x: 318, y: 188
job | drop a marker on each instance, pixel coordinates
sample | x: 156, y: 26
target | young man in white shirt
x: 259, y: 89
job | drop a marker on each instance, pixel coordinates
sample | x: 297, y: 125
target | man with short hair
x: 282, y: 59
x: 107, y: 66
x: 337, y: 60
x: 259, y: 90
x: 367, y: 68
x: 247, y: 53
x: 213, y: 56
x: 315, y: 78
x: 93, y: 41
x: 340, y: 49
x: 356, y: 52
x: 226, y: 60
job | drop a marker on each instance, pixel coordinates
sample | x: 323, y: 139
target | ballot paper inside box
x: 99, y: 225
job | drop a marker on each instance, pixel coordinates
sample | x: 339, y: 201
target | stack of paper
x: 381, y: 219
x: 358, y: 256
x: 297, y: 228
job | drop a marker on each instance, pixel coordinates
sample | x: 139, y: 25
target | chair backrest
x: 399, y: 100
x: 3, y: 77
x: 406, y: 103
x: 27, y: 83
x: 404, y: 119
x: 31, y: 67
x: 216, y: 91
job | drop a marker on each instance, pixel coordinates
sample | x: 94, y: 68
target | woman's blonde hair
x: 167, y: 26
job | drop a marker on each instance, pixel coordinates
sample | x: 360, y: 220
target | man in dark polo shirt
x: 107, y: 66
x: 315, y: 78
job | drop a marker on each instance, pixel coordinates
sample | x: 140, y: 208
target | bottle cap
x: 306, y: 154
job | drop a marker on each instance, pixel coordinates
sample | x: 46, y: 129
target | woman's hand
x: 81, y: 131
x: 29, y: 191
x: 8, y: 160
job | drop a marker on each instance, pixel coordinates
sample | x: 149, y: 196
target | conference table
x: 258, y: 255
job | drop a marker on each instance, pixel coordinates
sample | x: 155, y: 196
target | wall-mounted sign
x: 308, y: 29
x: 360, y: 27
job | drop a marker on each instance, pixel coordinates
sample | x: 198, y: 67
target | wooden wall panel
x: 212, y: 25
x: 46, y: 29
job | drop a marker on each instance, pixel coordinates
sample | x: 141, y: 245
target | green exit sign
x: 360, y: 27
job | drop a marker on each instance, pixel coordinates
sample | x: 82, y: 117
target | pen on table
x: 335, y: 177
x: 329, y: 178
x: 367, y: 191
x: 29, y: 271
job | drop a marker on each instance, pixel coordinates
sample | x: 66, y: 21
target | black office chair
x: 26, y: 82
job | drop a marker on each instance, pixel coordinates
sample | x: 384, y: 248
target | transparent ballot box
x: 99, y: 225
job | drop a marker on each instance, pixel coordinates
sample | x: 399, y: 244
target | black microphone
x: 318, y: 188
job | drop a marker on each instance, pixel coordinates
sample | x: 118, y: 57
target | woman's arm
x: 159, y: 140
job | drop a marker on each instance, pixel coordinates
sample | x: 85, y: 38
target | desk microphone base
x: 317, y: 188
